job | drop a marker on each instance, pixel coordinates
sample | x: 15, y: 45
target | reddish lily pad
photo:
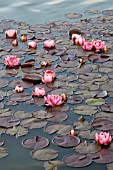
x: 105, y: 156
x: 20, y: 97
x: 102, y: 123
x: 24, y: 84
x: 58, y: 116
x: 77, y: 160
x: 107, y: 12
x: 32, y: 78
x: 82, y: 125
x: 108, y: 107
x: 44, y: 154
x: 98, y: 58
x: 88, y: 134
x: 9, y: 121
x: 35, y: 143
x: 66, y: 141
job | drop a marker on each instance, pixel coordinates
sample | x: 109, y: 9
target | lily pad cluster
x: 88, y: 86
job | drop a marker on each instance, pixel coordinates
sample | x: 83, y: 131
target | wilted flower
x: 15, y: 42
x: 32, y: 44
x: 53, y: 100
x: 64, y: 97
x: 103, y: 138
x: 19, y: 88
x: 39, y: 91
x: 87, y: 45
x: 72, y: 133
x: 11, y: 33
x: 75, y: 37
x: 48, y: 76
x: 49, y: 44
x: 23, y: 38
x: 12, y: 61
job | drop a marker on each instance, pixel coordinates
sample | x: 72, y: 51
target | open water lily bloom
x: 11, y: 33
x: 48, y: 76
x: 49, y: 44
x: 53, y: 100
x: 32, y: 44
x: 39, y: 91
x: 12, y: 61
x: 103, y: 138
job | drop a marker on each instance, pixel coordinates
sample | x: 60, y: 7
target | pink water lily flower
x: 99, y: 45
x: 11, y: 33
x: 53, y: 100
x: 75, y: 37
x: 39, y: 91
x: 87, y: 45
x: 32, y: 44
x: 49, y: 44
x: 48, y: 76
x: 12, y: 61
x: 103, y: 138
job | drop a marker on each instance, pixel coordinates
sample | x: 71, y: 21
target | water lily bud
x: 23, y: 38
x: 19, y: 88
x: 73, y: 133
x: 81, y: 61
x: 15, y: 42
x: 64, y: 97
x: 44, y: 63
x: 82, y: 118
x: 48, y: 63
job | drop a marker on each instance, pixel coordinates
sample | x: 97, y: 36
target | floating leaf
x: 17, y: 131
x: 35, y: 143
x: 3, y: 152
x: 73, y: 15
x: 85, y: 110
x: 52, y: 165
x: 77, y: 160
x: 82, y: 125
x: 57, y: 116
x: 86, y: 147
x: 66, y: 141
x: 95, y: 102
x: 44, y: 154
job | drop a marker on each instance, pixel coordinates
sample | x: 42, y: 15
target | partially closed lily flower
x: 99, y: 45
x: 12, y: 61
x: 72, y: 133
x: 19, y: 88
x: 48, y: 76
x: 11, y: 33
x: 23, y: 38
x: 53, y: 100
x: 75, y: 37
x: 103, y: 138
x: 87, y: 46
x: 49, y: 44
x: 39, y: 91
x: 32, y: 44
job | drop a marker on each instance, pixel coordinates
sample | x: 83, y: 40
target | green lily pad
x: 44, y: 154
x: 82, y: 125
x: 17, y: 131
x: 85, y: 110
x: 52, y: 165
x: 87, y: 148
x: 95, y: 102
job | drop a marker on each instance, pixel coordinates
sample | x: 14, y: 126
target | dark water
x: 35, y: 12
